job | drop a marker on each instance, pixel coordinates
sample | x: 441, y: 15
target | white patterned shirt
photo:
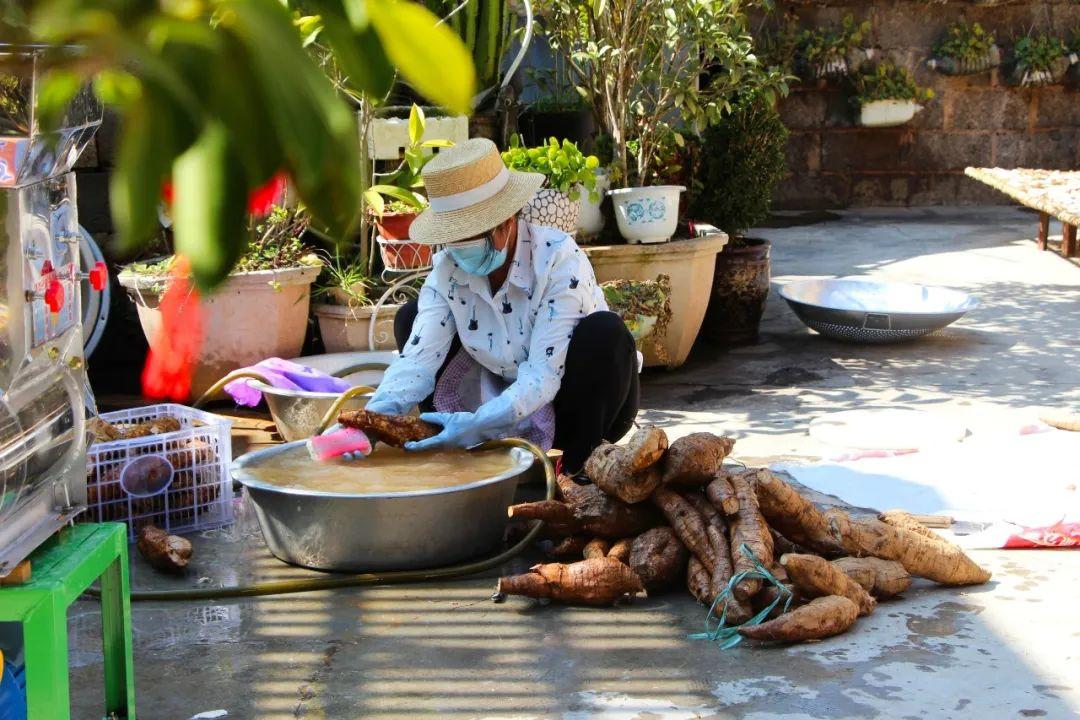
x: 520, y: 334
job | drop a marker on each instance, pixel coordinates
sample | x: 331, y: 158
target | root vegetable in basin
x: 394, y: 430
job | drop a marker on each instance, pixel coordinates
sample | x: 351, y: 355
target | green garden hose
x: 284, y: 587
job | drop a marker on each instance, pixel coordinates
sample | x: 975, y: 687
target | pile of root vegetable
x: 647, y: 517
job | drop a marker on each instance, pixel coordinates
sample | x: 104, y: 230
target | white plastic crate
x: 178, y: 481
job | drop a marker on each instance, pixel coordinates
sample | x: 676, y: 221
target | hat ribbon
x: 473, y: 196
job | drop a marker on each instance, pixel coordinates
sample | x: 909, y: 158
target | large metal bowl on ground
x: 359, y: 532
x: 869, y: 311
x: 297, y: 413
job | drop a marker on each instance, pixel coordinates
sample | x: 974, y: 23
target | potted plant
x: 832, y: 51
x: 742, y: 161
x: 1039, y: 60
x: 650, y: 69
x: 259, y: 311
x: 558, y: 109
x: 887, y: 95
x: 570, y: 177
x: 965, y: 49
x: 1074, y: 56
x: 347, y: 310
x: 403, y: 186
x: 645, y: 307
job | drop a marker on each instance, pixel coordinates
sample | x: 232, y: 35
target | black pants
x: 600, y: 391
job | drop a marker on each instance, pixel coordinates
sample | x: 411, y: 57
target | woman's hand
x: 460, y: 430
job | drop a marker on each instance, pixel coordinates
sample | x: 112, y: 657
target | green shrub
x: 742, y: 161
x: 964, y: 41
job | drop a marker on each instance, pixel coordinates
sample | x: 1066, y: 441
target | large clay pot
x: 552, y: 208
x: 690, y: 264
x: 740, y: 288
x: 250, y: 317
x: 347, y: 329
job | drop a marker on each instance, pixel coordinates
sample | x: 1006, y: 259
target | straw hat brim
x: 437, y: 228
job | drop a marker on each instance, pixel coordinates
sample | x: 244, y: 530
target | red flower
x: 169, y: 365
x: 264, y: 197
x: 260, y: 200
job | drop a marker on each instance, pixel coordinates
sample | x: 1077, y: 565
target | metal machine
x: 44, y: 391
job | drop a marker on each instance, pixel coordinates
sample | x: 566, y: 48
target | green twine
x: 719, y: 630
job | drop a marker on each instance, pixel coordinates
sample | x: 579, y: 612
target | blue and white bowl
x: 647, y: 214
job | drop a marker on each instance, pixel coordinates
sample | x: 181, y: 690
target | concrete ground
x: 1006, y: 649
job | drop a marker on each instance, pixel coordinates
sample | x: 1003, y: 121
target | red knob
x: 54, y: 296
x: 46, y: 268
x: 99, y: 276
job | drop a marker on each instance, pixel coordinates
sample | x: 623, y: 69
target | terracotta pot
x: 554, y: 209
x: 404, y: 254
x: 395, y: 225
x: 689, y: 263
x: 250, y: 317
x: 347, y: 329
x: 740, y: 288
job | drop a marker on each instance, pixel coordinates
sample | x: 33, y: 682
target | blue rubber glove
x: 464, y: 429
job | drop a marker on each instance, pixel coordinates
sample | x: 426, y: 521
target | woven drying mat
x: 1054, y: 192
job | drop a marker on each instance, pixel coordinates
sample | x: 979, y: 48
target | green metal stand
x: 61, y: 570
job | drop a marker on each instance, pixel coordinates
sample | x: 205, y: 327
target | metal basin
x: 297, y: 413
x: 868, y: 311
x: 355, y: 532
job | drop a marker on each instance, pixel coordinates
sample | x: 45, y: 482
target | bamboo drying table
x: 1054, y: 193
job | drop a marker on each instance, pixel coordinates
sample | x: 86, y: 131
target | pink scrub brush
x: 332, y: 445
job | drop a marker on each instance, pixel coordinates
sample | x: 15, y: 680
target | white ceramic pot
x: 647, y: 214
x: 887, y: 113
x: 346, y: 329
x: 590, y: 219
x: 552, y: 208
x: 689, y: 263
x: 249, y: 317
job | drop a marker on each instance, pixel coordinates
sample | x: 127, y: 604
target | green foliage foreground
x: 219, y: 95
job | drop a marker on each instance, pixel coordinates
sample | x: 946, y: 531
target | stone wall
x: 973, y: 120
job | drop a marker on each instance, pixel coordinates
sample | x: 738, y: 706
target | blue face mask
x: 478, y: 257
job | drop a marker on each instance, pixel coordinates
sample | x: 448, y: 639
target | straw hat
x: 470, y: 191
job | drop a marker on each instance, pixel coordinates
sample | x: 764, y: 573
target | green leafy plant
x: 555, y: 89
x: 742, y: 162
x: 964, y: 41
x: 826, y: 49
x: 886, y: 81
x: 273, y: 242
x: 651, y: 67
x: 1038, y: 53
x: 219, y: 95
x: 1074, y: 40
x: 563, y: 164
x: 403, y: 186
x: 344, y: 279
